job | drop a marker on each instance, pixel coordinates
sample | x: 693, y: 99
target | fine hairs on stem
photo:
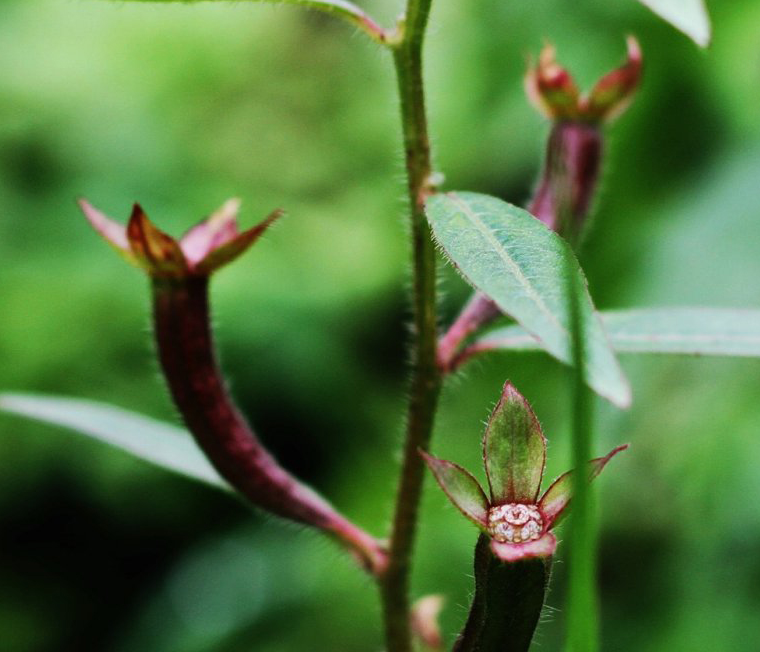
x: 426, y: 378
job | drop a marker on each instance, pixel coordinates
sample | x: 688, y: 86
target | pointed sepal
x: 614, y: 92
x: 557, y: 497
x: 462, y: 489
x: 552, y: 90
x: 156, y: 252
x: 206, y: 247
x: 511, y: 552
x: 514, y: 450
x: 235, y: 246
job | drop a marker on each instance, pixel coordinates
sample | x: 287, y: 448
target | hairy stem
x: 185, y: 348
x: 426, y: 379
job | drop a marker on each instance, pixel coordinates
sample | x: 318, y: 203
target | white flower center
x: 515, y: 523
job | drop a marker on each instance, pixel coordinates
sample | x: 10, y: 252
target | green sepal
x: 556, y: 498
x: 514, y: 450
x: 462, y: 489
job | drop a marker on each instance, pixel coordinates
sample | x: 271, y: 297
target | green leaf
x: 514, y: 450
x: 461, y: 488
x: 689, y: 16
x: 509, y: 255
x: 160, y: 443
x: 690, y: 331
x: 342, y: 9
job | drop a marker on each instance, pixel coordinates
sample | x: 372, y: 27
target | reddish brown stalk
x: 480, y: 310
x: 571, y: 170
x: 185, y: 348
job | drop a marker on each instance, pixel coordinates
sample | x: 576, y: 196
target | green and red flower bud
x: 571, y: 168
x: 575, y: 146
x: 552, y: 89
x: 516, y: 519
x: 179, y: 272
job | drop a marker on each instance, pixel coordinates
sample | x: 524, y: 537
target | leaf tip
x: 623, y: 397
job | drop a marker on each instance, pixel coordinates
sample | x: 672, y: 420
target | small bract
x: 518, y: 522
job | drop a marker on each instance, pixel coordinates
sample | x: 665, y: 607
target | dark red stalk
x: 507, y: 604
x: 568, y: 182
x: 480, y: 310
x: 185, y: 348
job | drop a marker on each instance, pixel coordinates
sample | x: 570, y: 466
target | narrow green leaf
x: 509, y: 255
x: 160, y: 443
x: 461, y: 488
x: 582, y: 599
x: 689, y: 16
x: 342, y: 9
x: 688, y: 331
x: 514, y: 450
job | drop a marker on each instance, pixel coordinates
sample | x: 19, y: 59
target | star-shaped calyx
x: 518, y: 522
x: 207, y: 246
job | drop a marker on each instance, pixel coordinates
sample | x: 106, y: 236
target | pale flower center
x: 515, y: 523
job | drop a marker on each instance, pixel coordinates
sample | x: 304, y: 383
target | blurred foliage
x: 181, y: 107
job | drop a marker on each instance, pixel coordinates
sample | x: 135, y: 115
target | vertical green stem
x: 582, y: 627
x: 426, y: 380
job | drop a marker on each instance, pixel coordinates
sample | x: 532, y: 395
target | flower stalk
x: 582, y: 617
x: 507, y: 603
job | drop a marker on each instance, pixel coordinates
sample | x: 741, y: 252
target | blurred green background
x: 181, y: 107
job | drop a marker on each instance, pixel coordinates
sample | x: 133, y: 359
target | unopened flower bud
x: 552, y: 89
x: 575, y: 147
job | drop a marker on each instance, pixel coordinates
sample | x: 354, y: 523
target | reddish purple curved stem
x: 185, y: 348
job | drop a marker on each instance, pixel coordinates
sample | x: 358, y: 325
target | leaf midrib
x: 483, y: 228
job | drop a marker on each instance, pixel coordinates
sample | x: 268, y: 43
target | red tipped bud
x: 551, y: 88
x: 614, y: 92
